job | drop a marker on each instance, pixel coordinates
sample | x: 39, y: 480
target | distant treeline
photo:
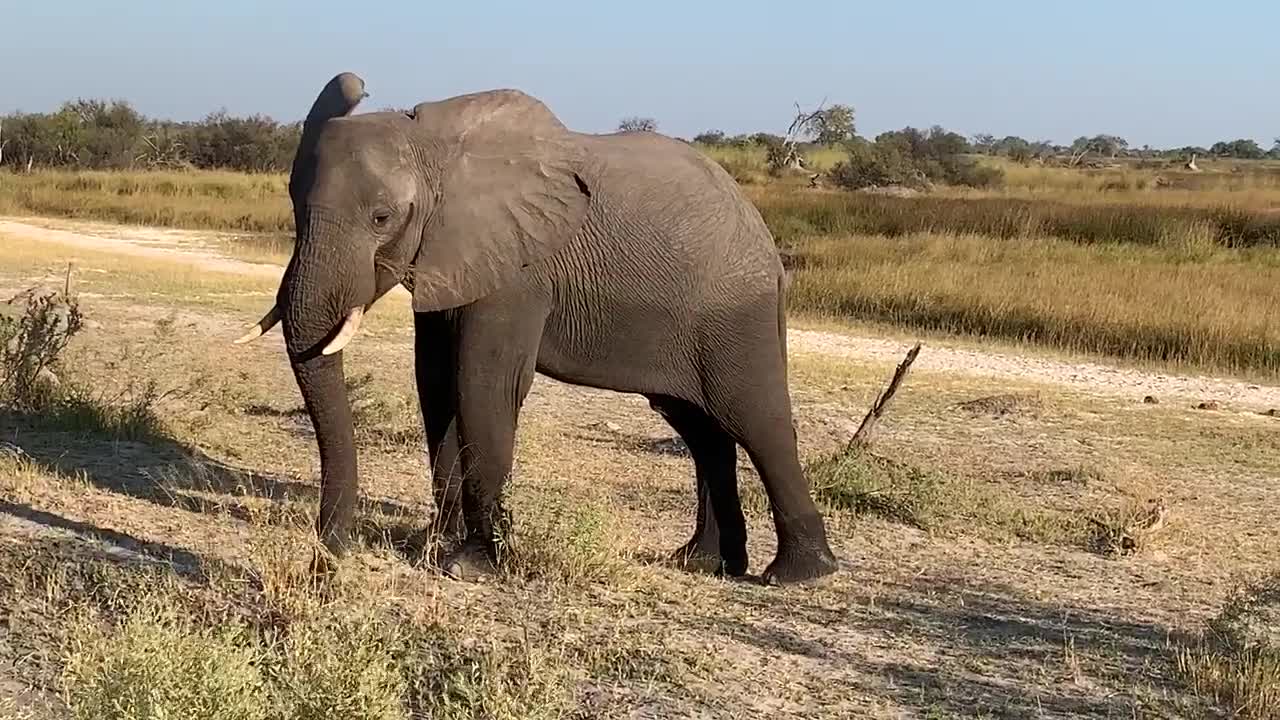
x: 112, y: 135
x: 107, y: 135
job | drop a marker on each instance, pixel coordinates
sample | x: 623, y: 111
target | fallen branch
x: 863, y: 436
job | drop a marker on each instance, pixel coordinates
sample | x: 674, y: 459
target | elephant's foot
x: 702, y: 554
x: 803, y: 556
x: 698, y: 555
x: 472, y: 561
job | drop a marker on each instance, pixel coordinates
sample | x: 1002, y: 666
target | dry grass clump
x: 563, y: 540
x: 144, y: 642
x: 33, y: 338
x: 859, y: 481
x: 1236, y: 664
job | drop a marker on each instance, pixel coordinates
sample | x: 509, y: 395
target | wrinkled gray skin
x: 627, y: 261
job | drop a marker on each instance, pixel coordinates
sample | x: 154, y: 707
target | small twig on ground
x: 863, y: 436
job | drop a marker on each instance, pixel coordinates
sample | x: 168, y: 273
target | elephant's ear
x: 338, y: 98
x: 510, y: 195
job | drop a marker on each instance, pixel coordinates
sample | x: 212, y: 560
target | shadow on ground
x: 985, y: 652
x: 166, y: 472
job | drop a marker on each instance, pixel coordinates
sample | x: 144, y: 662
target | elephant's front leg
x: 434, y: 371
x: 496, y: 359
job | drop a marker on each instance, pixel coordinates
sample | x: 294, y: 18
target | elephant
x: 626, y: 261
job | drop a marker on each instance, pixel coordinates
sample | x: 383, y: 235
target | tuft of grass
x: 466, y: 678
x: 1236, y: 665
x: 145, y: 645
x: 565, y: 541
x: 858, y: 481
x: 339, y: 665
x: 159, y: 663
x: 32, y: 344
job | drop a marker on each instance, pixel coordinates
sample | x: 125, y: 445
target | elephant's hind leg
x: 719, y: 542
x: 745, y: 384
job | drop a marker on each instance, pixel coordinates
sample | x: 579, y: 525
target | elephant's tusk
x: 348, y: 330
x: 267, y: 322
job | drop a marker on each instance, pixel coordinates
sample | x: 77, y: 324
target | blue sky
x: 1166, y: 73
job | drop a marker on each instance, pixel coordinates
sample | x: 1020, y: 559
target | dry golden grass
x: 203, y: 200
x: 1192, y: 308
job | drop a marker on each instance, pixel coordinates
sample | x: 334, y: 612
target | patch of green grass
x: 563, y: 540
x: 858, y: 481
x: 159, y: 663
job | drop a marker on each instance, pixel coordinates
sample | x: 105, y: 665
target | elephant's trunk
x: 324, y: 392
x: 316, y: 300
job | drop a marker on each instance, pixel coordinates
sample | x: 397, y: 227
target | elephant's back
x: 660, y: 197
x: 670, y: 247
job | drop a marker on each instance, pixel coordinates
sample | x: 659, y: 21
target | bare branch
x: 863, y: 436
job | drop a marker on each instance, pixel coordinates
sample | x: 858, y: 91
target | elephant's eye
x: 381, y: 218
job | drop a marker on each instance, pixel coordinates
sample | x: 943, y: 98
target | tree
x: 1243, y: 148
x: 1013, y: 147
x: 984, y: 143
x: 638, y: 124
x: 709, y: 137
x: 831, y: 126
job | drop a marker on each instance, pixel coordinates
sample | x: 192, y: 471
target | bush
x: 913, y: 158
x: 31, y: 340
x: 872, y: 165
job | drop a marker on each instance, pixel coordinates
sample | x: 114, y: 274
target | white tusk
x: 267, y: 322
x: 348, y: 330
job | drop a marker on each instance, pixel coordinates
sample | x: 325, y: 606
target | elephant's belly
x: 648, y: 350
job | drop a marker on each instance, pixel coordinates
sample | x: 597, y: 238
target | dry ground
x: 959, y: 620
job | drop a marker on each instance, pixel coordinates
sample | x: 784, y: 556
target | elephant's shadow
x: 169, y: 473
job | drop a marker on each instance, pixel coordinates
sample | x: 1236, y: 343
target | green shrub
x: 159, y: 664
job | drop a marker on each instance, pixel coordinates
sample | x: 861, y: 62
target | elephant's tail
x: 782, y: 319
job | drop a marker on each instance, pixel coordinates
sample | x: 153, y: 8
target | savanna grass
x: 1208, y: 309
x: 796, y: 213
x: 201, y: 200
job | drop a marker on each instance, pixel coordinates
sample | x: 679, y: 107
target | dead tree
x: 786, y: 157
x: 863, y: 436
x: 3, y: 142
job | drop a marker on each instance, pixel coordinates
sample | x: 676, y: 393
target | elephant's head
x: 453, y: 199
